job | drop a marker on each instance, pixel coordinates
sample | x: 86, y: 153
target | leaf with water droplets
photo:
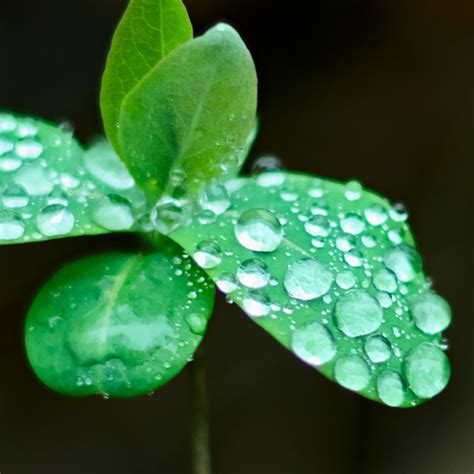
x: 118, y: 324
x: 50, y: 188
x: 192, y: 118
x: 147, y: 33
x: 331, y: 271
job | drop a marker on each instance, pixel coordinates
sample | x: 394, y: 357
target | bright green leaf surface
x: 191, y: 118
x: 331, y: 272
x: 118, y: 324
x: 148, y: 31
x: 50, y: 189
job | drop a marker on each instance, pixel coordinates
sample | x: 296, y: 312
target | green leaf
x: 50, y: 189
x: 189, y: 120
x: 331, y: 272
x: 118, y: 324
x: 148, y: 31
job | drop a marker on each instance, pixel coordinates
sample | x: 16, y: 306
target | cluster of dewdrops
x: 356, y: 306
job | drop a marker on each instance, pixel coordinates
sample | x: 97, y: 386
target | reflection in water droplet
x: 404, y: 261
x: 399, y: 213
x: 354, y: 258
x: 353, y: 191
x: 318, y: 226
x: 273, y: 178
x: 11, y: 228
x: 259, y: 230
x: 352, y: 372
x: 256, y: 304
x: 15, y: 197
x: 378, y: 349
x: 431, y: 313
x: 169, y: 215
x: 28, y: 149
x: 308, y: 279
x: 253, y: 274
x: 376, y: 215
x: 352, y: 224
x: 313, y: 344
x: 215, y: 198
x: 226, y: 283
x: 345, y: 243
x: 427, y: 370
x: 9, y: 164
x: 357, y: 313
x: 113, y: 212
x: 266, y: 163
x: 196, y: 323
x: 55, y: 220
x: 208, y: 255
x: 390, y: 388
x: 385, y: 280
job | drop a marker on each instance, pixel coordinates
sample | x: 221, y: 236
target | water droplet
x: 308, y: 279
x: 35, y: 180
x: 113, y: 212
x: 384, y: 299
x: 208, y: 255
x: 215, y: 198
x: 430, y: 312
x: 352, y: 372
x: 353, y: 191
x: 15, y: 197
x: 226, y: 283
x: 259, y: 230
x: 256, y: 304
x: 266, y: 163
x: 390, y: 388
x: 273, y: 178
x: 9, y: 164
x: 253, y: 274
x: 352, y: 224
x: 404, y: 261
x: 368, y: 241
x: 378, y: 349
x: 196, y: 323
x: 318, y: 226
x: 55, y: 220
x: 385, y: 280
x: 28, y: 149
x: 7, y: 123
x: 168, y: 215
x: 354, y: 258
x: 427, y: 370
x: 207, y: 217
x: 5, y: 146
x: 346, y: 280
x: 11, y: 228
x: 345, y: 243
x: 313, y: 344
x: 26, y: 128
x: 376, y: 215
x: 357, y: 313
x: 399, y: 213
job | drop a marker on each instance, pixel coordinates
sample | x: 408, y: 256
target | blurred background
x: 381, y: 91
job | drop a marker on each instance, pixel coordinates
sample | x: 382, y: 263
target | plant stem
x: 200, y: 422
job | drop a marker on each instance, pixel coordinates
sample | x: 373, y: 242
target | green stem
x: 200, y: 427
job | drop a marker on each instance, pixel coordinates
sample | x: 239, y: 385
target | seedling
x: 329, y: 269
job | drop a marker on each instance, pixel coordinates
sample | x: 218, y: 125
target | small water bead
x: 35, y: 180
x: 253, y: 274
x: 427, y: 370
x: 266, y: 163
x: 215, y: 198
x: 226, y: 283
x: 352, y: 372
x: 430, y: 312
x: 55, y: 220
x: 378, y: 349
x: 207, y: 217
x: 314, y: 344
x: 168, y: 215
x: 352, y: 224
x: 357, y: 313
x: 354, y: 258
x: 353, y: 191
x: 28, y: 149
x: 376, y: 215
x: 196, y: 323
x: 259, y: 230
x: 384, y: 299
x: 346, y: 280
x: 5, y: 146
x: 256, y: 304
x: 345, y: 243
x: 208, y: 255
x: 308, y: 279
x: 318, y: 226
x: 11, y: 228
x: 15, y: 197
x: 404, y: 261
x: 385, y: 280
x: 320, y: 208
x: 368, y: 241
x: 399, y: 213
x: 272, y: 178
x: 58, y: 197
x: 391, y: 388
x: 318, y: 242
x: 68, y: 181
x: 113, y: 212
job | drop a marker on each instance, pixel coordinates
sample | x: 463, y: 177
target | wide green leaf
x: 330, y: 270
x: 118, y: 324
x: 50, y: 188
x: 189, y: 120
x: 148, y: 31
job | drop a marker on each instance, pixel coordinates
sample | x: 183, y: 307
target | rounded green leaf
x: 331, y: 271
x: 147, y: 33
x: 50, y: 188
x: 191, y: 119
x: 118, y: 324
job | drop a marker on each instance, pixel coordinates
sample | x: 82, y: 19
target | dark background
x: 378, y: 90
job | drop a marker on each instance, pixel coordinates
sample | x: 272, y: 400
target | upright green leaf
x: 148, y: 31
x: 50, y: 188
x: 330, y: 271
x: 118, y: 324
x: 189, y: 120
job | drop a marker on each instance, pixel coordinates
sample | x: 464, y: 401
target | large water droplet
x: 404, y: 261
x: 357, y: 313
x: 430, y: 312
x: 11, y: 228
x: 15, y: 197
x: 352, y: 224
x: 259, y: 230
x: 313, y: 344
x: 253, y: 274
x: 266, y: 163
x: 385, y: 280
x: 353, y: 191
x: 55, y: 220
x: 390, y: 388
x: 28, y: 149
x: 196, y: 323
x: 208, y: 255
x: 113, y: 212
x: 318, y: 226
x: 344, y: 243
x: 256, y: 304
x: 378, y: 349
x: 308, y: 279
x: 376, y: 215
x: 35, y: 180
x: 9, y: 164
x: 427, y: 370
x: 352, y: 372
